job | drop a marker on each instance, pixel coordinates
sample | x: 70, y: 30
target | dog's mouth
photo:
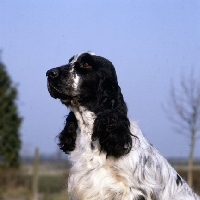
x: 55, y: 92
x: 66, y: 97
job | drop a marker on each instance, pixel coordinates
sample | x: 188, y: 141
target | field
x: 196, y: 177
x: 17, y: 184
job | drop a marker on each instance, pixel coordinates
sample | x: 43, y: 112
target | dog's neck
x: 85, y: 118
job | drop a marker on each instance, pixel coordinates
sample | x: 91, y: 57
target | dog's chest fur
x: 95, y: 177
x: 91, y: 171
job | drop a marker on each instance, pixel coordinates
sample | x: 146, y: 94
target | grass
x: 17, y: 185
x: 52, y: 186
x: 196, y: 177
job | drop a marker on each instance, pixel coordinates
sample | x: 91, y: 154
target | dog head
x: 89, y: 80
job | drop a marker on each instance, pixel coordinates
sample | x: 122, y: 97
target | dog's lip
x: 50, y: 85
x: 53, y: 91
x: 69, y: 98
x: 57, y: 94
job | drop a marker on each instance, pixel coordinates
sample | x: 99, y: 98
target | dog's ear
x: 67, y: 137
x: 111, y: 128
x: 108, y: 92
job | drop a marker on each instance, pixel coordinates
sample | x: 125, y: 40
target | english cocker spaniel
x: 110, y: 157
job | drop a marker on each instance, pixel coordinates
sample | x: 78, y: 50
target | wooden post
x: 35, y: 175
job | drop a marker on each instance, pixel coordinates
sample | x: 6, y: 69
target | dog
x: 111, y: 159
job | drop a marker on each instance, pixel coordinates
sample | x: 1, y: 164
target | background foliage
x: 9, y: 122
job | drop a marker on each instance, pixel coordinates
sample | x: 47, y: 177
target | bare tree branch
x: 184, y: 112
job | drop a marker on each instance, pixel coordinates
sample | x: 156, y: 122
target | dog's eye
x: 85, y: 65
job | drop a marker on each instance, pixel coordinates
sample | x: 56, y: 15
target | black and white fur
x: 110, y: 157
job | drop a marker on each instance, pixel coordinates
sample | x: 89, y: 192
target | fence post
x: 35, y: 175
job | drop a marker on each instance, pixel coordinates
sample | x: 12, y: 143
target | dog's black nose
x: 52, y: 73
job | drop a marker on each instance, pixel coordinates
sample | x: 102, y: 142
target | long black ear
x: 111, y: 126
x: 67, y: 138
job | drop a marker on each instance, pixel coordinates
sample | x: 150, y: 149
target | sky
x: 150, y: 43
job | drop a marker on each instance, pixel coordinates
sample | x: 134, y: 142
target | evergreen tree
x: 9, y: 122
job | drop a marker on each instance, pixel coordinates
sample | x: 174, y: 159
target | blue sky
x: 150, y: 44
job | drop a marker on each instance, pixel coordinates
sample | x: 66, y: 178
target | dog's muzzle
x: 59, y: 88
x: 52, y: 85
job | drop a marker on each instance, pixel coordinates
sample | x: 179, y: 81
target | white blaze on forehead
x: 76, y: 78
x: 77, y: 56
x: 76, y: 81
x: 91, y: 53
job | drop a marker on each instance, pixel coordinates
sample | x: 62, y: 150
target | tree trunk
x: 190, y: 160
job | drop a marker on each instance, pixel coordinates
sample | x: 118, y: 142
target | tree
x: 9, y: 122
x: 185, y: 103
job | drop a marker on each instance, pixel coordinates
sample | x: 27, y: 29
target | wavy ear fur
x: 112, y: 127
x: 67, y: 138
